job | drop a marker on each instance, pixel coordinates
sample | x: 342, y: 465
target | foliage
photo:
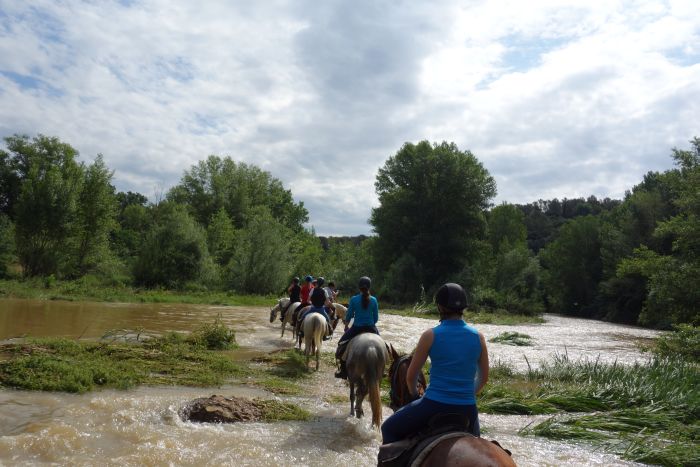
x: 261, y: 262
x: 7, y: 244
x: 214, y: 336
x: 573, y: 266
x: 512, y: 338
x: 174, y: 251
x: 57, y: 364
x: 683, y: 342
x: 431, y: 205
x: 239, y: 189
x: 96, y: 212
x: 277, y: 411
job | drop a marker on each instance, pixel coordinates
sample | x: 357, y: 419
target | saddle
x: 411, y: 451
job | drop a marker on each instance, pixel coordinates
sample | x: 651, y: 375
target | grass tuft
x: 512, y: 338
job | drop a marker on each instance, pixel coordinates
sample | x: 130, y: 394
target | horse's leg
x: 283, y: 325
x: 352, y: 397
x: 361, y: 392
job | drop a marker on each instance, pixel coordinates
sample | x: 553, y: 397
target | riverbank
x: 90, y: 291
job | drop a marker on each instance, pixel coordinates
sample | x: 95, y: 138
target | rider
x: 294, y: 296
x: 365, y: 309
x: 320, y: 301
x: 457, y: 352
x: 304, y: 295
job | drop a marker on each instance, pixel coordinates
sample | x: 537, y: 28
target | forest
x: 230, y: 226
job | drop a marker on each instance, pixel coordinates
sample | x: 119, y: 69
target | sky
x: 555, y: 98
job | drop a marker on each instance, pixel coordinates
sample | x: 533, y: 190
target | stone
x: 220, y: 409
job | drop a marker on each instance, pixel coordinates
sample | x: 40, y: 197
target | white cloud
x: 556, y: 98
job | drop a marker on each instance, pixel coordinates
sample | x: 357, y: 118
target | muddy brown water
x: 141, y: 426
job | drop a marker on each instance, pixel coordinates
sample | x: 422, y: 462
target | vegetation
x: 277, y: 411
x: 228, y: 229
x: 644, y: 412
x: 55, y: 364
x: 512, y: 338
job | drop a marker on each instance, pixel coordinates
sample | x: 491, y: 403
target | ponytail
x: 365, y: 298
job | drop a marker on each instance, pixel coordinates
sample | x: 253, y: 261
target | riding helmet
x: 364, y: 283
x: 308, y: 279
x: 320, y: 281
x: 452, y: 296
x: 295, y: 280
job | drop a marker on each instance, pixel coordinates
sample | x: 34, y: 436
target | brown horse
x: 455, y: 450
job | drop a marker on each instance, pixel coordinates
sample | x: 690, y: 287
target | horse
x: 366, y: 357
x: 283, y: 303
x: 453, y: 448
x: 315, y: 328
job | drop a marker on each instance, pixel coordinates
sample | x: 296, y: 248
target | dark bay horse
x: 457, y: 451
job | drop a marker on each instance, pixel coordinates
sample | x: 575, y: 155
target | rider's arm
x: 420, y: 355
x: 350, y: 314
x: 483, y: 365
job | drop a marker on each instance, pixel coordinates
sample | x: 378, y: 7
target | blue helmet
x: 308, y: 278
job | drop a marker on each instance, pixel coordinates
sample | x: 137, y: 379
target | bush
x: 214, y: 336
x: 684, y: 342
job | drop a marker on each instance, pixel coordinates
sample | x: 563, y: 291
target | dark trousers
x: 414, y: 417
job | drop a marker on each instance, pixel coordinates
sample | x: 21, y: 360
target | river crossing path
x: 141, y: 426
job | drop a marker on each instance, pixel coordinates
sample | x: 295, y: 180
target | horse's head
x: 273, y: 311
x: 399, y: 393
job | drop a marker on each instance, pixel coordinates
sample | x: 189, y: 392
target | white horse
x: 282, y: 303
x: 315, y: 328
x: 366, y: 357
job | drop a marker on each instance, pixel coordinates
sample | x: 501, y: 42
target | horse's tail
x: 373, y: 378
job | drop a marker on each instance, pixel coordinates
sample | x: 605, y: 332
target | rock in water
x: 220, y: 409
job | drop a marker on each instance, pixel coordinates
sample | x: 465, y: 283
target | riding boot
x: 342, y: 370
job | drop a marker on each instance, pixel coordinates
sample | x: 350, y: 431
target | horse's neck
x: 284, y: 302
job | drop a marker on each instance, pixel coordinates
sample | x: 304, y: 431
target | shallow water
x: 141, y: 426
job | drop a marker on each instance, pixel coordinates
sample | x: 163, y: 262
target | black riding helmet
x: 364, y: 283
x: 452, y: 296
x: 320, y: 281
x: 295, y: 280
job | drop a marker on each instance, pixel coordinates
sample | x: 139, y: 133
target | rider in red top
x: 305, y: 295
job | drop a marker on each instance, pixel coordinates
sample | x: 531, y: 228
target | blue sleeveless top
x: 454, y: 359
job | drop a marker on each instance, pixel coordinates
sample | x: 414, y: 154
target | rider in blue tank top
x: 457, y: 354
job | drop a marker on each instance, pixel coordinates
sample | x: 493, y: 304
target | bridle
x: 398, y: 392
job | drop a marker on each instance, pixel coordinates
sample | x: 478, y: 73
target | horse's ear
x: 392, y: 351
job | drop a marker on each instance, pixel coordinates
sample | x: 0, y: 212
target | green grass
x: 512, y: 338
x: 55, y: 364
x: 276, y: 411
x: 89, y: 290
x: 644, y: 412
x: 469, y: 316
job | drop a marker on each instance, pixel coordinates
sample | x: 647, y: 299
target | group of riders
x: 457, y: 351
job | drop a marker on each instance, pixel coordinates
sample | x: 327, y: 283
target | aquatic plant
x: 512, y: 338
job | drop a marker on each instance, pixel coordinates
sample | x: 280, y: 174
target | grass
x: 512, y: 338
x: 89, y: 290
x: 56, y: 364
x: 469, y: 316
x: 643, y: 412
x: 276, y: 411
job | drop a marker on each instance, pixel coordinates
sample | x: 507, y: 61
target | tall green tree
x: 96, y: 216
x: 43, y: 201
x: 573, y: 267
x: 261, y: 262
x: 174, y: 252
x: 238, y: 188
x: 432, y: 199
x: 506, y: 228
x: 673, y: 277
x: 7, y: 243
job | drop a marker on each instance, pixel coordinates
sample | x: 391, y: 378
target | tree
x: 673, y: 277
x: 174, y: 252
x: 96, y: 214
x: 573, y: 266
x: 431, y: 206
x: 221, y: 236
x: 45, y: 207
x: 7, y: 243
x: 240, y: 189
x: 261, y: 261
x: 506, y: 227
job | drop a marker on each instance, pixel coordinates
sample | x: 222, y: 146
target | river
x: 141, y: 426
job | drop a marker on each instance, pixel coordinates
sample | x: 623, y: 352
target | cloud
x: 555, y: 98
